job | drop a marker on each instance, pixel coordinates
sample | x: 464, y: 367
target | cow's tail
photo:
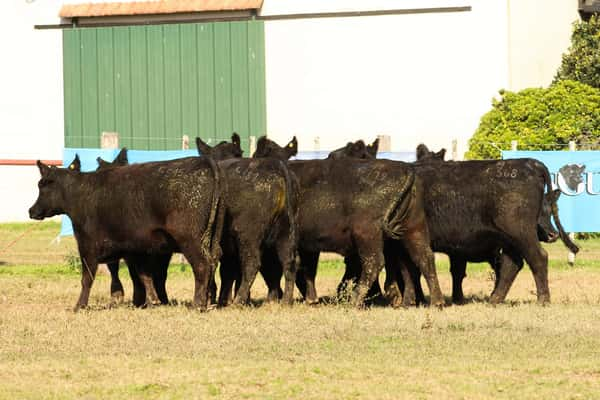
x: 212, y: 234
x: 393, y: 220
x: 561, y: 232
x: 291, y: 208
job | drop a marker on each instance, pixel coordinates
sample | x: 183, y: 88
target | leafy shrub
x: 582, y: 61
x: 539, y: 119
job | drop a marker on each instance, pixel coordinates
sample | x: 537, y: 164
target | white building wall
x: 31, y: 100
x: 417, y: 77
x: 539, y: 33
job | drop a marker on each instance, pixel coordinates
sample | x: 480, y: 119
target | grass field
x: 475, y: 351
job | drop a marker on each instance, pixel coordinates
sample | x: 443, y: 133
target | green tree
x: 539, y: 119
x: 582, y: 61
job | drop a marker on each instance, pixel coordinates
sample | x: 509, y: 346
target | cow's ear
x: 441, y: 154
x: 121, y: 158
x: 422, y: 151
x: 292, y: 147
x: 373, y: 148
x: 44, y: 169
x: 203, y: 148
x: 235, y: 139
x: 101, y: 162
x: 75, y: 164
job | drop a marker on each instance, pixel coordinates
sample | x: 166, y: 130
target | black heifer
x: 261, y: 202
x: 492, y: 211
x: 150, y: 208
x: 350, y: 207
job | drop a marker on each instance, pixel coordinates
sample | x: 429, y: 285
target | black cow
x: 350, y: 207
x: 261, y: 202
x: 494, y: 211
x: 158, y: 263
x: 168, y: 206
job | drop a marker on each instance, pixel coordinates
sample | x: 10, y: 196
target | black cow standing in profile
x: 157, y: 263
x: 492, y: 211
x: 350, y: 207
x: 141, y: 209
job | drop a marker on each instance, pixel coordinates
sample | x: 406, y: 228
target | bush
x: 582, y: 62
x: 539, y: 119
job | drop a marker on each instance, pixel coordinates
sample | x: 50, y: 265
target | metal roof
x: 155, y: 7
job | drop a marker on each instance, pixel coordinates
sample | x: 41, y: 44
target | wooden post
x: 317, y: 144
x: 385, y: 142
x: 185, y: 142
x: 252, y: 145
x: 454, y: 150
x: 513, y: 145
x: 109, y: 140
x: 571, y: 256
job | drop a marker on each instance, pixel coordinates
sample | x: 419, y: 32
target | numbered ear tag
x: 290, y: 145
x: 71, y: 166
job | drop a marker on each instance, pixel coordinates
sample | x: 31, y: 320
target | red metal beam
x: 29, y: 162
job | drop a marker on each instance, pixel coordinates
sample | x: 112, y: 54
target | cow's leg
x: 250, y: 262
x: 510, y: 264
x: 228, y: 273
x: 139, y: 291
x: 286, y: 254
x: 537, y: 259
x: 417, y: 244
x: 309, y: 263
x: 200, y: 261
x: 351, y: 273
x: 372, y: 263
x: 271, y: 270
x: 145, y: 268
x: 159, y: 270
x: 458, y: 267
x: 393, y: 280
x: 116, y: 287
x: 89, y: 266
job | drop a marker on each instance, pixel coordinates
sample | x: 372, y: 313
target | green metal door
x: 154, y: 84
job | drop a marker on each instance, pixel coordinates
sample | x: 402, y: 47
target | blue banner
x: 576, y: 174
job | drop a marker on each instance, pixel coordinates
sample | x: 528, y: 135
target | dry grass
x: 476, y: 351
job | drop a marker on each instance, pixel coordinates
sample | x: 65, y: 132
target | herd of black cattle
x: 275, y: 216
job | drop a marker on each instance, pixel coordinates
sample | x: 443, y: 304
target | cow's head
x: 268, y: 148
x: 545, y: 230
x: 222, y: 151
x: 423, y: 154
x: 572, y: 175
x: 119, y: 161
x: 357, y: 149
x: 53, y: 189
x: 373, y: 148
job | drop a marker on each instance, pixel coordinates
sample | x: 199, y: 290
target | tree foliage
x: 539, y: 119
x: 582, y: 61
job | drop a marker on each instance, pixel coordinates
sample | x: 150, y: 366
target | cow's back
x: 467, y: 202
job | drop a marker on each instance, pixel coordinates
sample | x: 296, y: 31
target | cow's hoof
x: 543, y: 300
x: 117, y: 297
x: 79, y: 307
x: 312, y: 302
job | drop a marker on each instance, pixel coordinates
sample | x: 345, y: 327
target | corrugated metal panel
x: 153, y: 84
